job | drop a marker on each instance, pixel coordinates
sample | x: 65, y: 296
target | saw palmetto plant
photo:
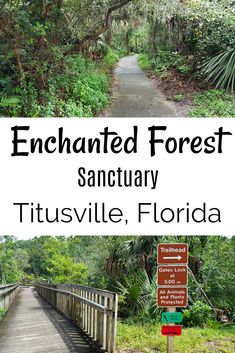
x: 221, y: 70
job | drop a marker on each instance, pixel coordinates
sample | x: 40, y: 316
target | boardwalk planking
x: 33, y: 326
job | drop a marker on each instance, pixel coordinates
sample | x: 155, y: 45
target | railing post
x: 114, y: 323
x: 95, y: 310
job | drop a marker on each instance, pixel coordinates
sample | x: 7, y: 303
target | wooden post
x: 98, y: 321
x: 114, y: 324
x: 170, y: 339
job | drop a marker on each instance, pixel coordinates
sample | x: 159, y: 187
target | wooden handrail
x: 98, y: 307
x: 93, y: 310
x: 8, y: 289
x: 2, y: 286
x: 7, y: 295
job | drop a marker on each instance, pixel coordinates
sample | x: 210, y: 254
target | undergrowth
x: 81, y: 90
x: 144, y: 62
x: 147, y: 338
x: 213, y: 103
x: 163, y: 61
x: 110, y: 59
x: 207, y: 104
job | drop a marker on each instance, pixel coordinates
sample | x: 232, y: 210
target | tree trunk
x: 153, y: 35
x: 100, y: 30
x: 16, y: 51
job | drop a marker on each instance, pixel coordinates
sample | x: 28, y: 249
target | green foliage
x: 213, y: 103
x: 63, y: 270
x: 202, y: 31
x: 2, y: 313
x: 213, y: 26
x: 28, y: 279
x: 163, y: 61
x: 127, y: 266
x: 9, y: 105
x: 45, y: 68
x: 144, y: 62
x: 131, y: 300
x: 221, y: 70
x: 9, y: 269
x: 80, y: 91
x: 219, y: 263
x: 199, y: 314
x: 138, y: 297
x: 136, y: 337
x: 110, y: 58
x: 179, y: 97
x: 206, y: 28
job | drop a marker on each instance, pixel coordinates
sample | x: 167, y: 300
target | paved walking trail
x: 135, y: 95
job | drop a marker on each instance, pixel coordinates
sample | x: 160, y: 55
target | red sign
x: 171, y: 330
x: 172, y: 253
x: 172, y: 297
x: 172, y: 275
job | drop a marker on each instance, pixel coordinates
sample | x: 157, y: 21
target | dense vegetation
x: 146, y: 338
x: 56, y: 55
x: 194, y: 41
x: 52, y: 63
x: 128, y: 266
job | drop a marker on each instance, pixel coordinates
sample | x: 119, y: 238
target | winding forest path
x: 135, y: 95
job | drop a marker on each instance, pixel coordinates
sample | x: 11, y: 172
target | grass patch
x: 213, y: 103
x: 148, y: 339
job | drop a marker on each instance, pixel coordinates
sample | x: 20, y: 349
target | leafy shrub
x: 179, y: 97
x: 184, y: 69
x: 82, y: 90
x: 221, y: 70
x: 144, y: 62
x: 198, y: 315
x: 166, y: 60
x: 64, y: 270
x: 110, y: 58
x: 163, y: 61
x: 213, y: 103
x: 209, y: 28
x: 202, y: 30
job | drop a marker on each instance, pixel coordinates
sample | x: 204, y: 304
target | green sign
x: 172, y: 318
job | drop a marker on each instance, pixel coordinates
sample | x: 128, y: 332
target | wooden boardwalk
x: 33, y: 326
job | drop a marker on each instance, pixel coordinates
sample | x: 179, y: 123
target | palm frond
x: 9, y: 102
x: 221, y: 70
